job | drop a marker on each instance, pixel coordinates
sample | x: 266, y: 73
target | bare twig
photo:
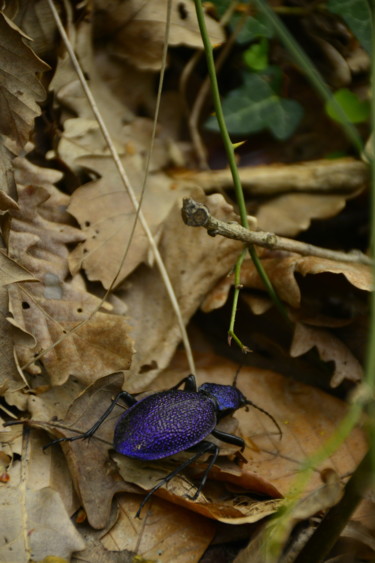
x: 196, y: 214
x: 338, y: 176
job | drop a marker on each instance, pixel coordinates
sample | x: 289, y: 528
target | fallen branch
x: 196, y: 214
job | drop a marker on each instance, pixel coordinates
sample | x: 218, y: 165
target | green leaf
x: 254, y: 107
x: 355, y: 110
x: 255, y: 27
x: 357, y: 15
x: 256, y: 56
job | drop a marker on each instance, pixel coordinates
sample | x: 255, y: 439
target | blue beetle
x: 169, y: 422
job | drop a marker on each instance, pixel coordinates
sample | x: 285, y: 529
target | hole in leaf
x: 25, y: 305
x: 182, y: 11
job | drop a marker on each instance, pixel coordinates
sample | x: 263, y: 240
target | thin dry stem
x: 196, y: 214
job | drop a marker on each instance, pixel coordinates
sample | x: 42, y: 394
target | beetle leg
x: 123, y: 395
x: 204, y: 447
x: 229, y: 438
x: 189, y: 382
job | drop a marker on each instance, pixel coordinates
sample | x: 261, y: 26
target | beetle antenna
x: 269, y: 416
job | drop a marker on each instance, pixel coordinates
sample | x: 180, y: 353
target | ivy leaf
x: 355, y: 110
x: 357, y: 16
x: 254, y: 107
x: 256, y: 56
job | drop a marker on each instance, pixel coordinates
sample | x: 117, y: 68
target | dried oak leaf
x: 20, y: 89
x: 38, y: 239
x: 104, y: 210
x: 195, y: 262
x: 289, y: 214
x: 330, y: 348
x: 136, y: 29
x: 282, y: 270
x: 162, y: 532
x: 37, y: 21
x: 10, y: 376
x: 312, y: 300
x: 95, y: 476
x: 40, y: 516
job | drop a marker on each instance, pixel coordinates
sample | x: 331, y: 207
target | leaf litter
x: 66, y: 220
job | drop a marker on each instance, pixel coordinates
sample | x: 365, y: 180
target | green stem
x: 230, y: 152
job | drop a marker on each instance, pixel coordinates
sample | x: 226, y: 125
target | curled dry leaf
x: 330, y: 348
x: 38, y: 239
x: 321, y: 301
x: 307, y: 415
x: 144, y: 22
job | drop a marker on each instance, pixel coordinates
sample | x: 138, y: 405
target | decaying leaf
x: 314, y: 301
x: 194, y: 262
x: 149, y: 542
x: 331, y: 349
x: 52, y: 530
x: 135, y: 30
x: 51, y: 308
x: 94, y: 475
x: 106, y: 215
x: 20, y: 88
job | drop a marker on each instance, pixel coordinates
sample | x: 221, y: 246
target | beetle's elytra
x: 169, y: 422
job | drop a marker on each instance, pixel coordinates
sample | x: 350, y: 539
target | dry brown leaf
x: 49, y: 313
x: 282, y: 270
x: 289, y: 214
x: 94, y: 474
x: 331, y: 349
x: 10, y: 376
x: 323, y: 498
x: 194, y: 262
x: 106, y: 215
x: 37, y: 21
x: 38, y: 239
x: 135, y: 30
x: 233, y: 507
x: 39, y: 516
x: 161, y: 537
x: 44, y: 469
x: 20, y: 88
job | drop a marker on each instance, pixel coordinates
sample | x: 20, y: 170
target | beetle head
x: 227, y: 397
